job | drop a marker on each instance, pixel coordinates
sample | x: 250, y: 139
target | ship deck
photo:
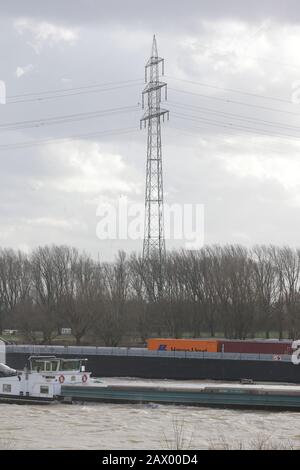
x: 275, y: 396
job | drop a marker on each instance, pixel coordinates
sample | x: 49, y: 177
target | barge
x: 49, y: 379
x: 178, y: 365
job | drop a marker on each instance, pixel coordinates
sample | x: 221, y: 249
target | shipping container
x: 189, y: 345
x: 256, y: 346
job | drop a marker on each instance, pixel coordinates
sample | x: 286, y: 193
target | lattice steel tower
x: 154, y: 238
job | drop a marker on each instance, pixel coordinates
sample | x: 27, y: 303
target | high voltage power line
x: 229, y: 125
x: 192, y: 130
x: 229, y: 100
x: 41, y: 122
x: 236, y: 116
x: 231, y: 90
x: 57, y: 90
x: 108, y: 132
x: 63, y: 93
x: 91, y: 114
x: 225, y: 115
x: 18, y: 125
x: 108, y: 86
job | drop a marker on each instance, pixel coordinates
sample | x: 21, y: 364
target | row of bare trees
x: 230, y: 291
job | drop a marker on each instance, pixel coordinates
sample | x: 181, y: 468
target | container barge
x: 178, y: 362
x: 48, y: 379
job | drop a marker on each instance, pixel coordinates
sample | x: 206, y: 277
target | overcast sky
x: 232, y: 142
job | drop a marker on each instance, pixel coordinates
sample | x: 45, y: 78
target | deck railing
x: 139, y: 352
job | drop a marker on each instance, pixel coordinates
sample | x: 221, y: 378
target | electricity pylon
x: 154, y: 237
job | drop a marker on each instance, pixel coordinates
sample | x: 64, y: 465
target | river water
x: 145, y: 426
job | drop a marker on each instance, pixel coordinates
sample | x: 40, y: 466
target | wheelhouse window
x: 44, y: 389
x: 70, y: 365
x: 54, y: 366
x: 39, y: 365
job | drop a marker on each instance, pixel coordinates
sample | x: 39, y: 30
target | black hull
x: 180, y: 368
x: 21, y: 400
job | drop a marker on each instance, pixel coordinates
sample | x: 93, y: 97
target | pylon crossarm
x: 152, y: 86
x: 156, y: 114
x: 154, y: 61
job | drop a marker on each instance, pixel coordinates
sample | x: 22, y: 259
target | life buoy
x: 61, y: 379
x: 84, y: 378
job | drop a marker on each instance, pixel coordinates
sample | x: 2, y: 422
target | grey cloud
x: 162, y: 15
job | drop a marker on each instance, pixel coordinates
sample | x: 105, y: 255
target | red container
x: 257, y: 347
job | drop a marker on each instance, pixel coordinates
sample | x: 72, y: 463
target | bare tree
x: 230, y: 289
x: 26, y: 318
x: 80, y: 295
x: 241, y: 288
x: 173, y: 301
x: 15, y: 281
x: 288, y: 268
x: 143, y: 318
x: 51, y: 268
x: 266, y: 285
x: 191, y: 278
x: 111, y: 319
